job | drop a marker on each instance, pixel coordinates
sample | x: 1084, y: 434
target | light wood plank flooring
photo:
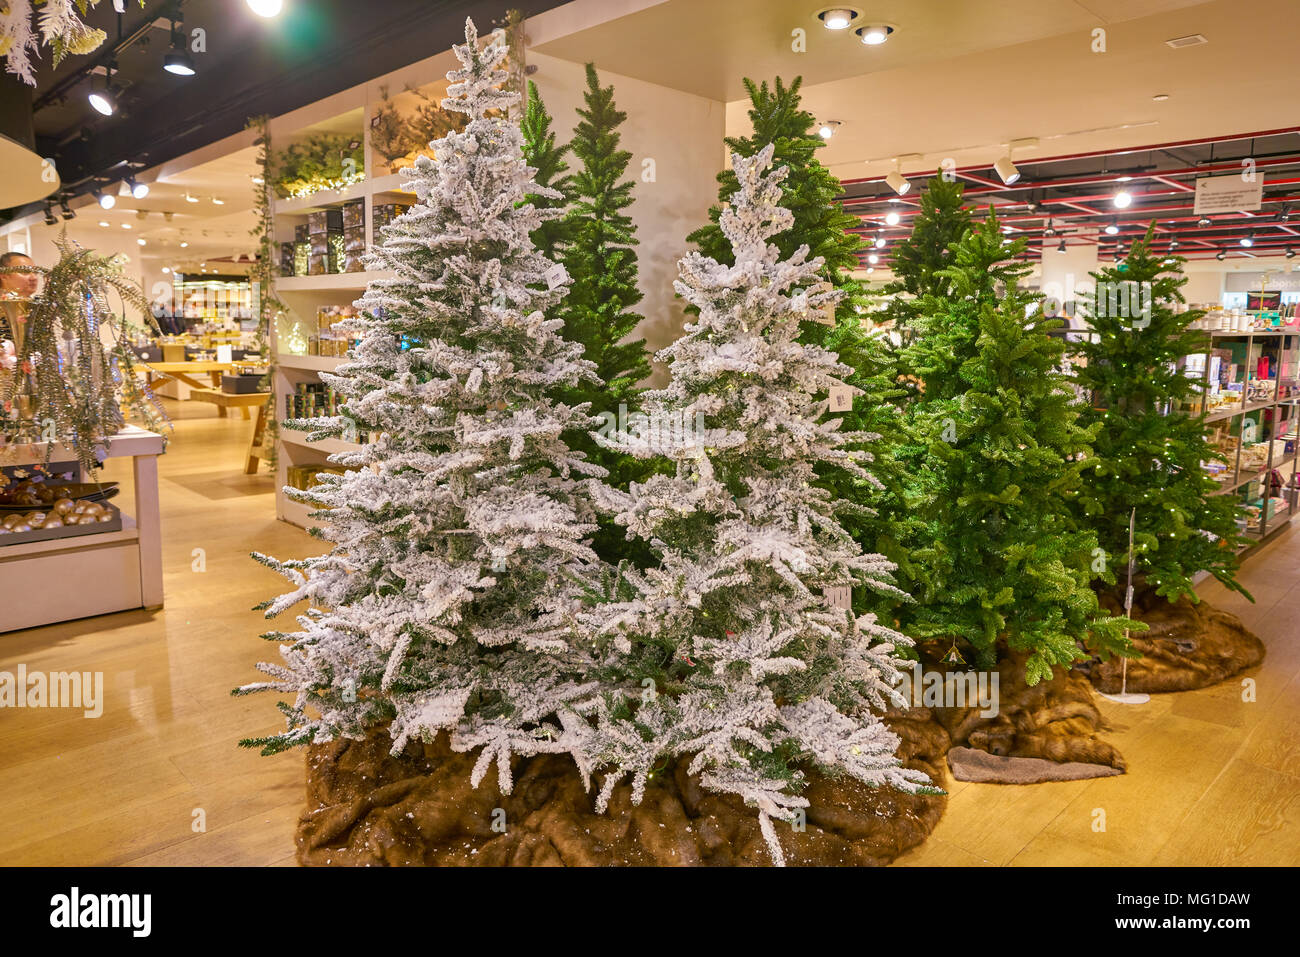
x: 1212, y: 779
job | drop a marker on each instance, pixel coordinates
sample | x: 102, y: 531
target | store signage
x: 1228, y: 194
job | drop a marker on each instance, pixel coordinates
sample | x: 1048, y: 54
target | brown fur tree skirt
x: 1055, y: 720
x: 365, y: 807
x: 1187, y: 645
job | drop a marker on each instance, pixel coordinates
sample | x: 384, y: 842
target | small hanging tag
x: 555, y: 276
x: 838, y: 596
x: 841, y: 398
x: 825, y: 314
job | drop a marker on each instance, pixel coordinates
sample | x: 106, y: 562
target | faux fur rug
x: 968, y: 764
x: 1188, y: 645
x: 368, y: 808
x: 1055, y: 720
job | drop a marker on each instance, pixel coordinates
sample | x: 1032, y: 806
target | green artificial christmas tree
x: 811, y: 193
x: 1006, y: 560
x: 601, y: 262
x: 543, y: 155
x: 917, y: 262
x: 1150, y: 448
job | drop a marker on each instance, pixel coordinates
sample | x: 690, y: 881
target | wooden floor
x: 1212, y: 779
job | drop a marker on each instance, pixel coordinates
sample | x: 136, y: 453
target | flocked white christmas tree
x: 746, y: 664
x: 448, y: 601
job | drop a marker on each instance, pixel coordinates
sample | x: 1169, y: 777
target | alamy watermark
x: 951, y: 689
x: 661, y: 431
x: 58, y: 689
x: 1127, y: 299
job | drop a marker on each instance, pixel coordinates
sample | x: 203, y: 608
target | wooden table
x: 65, y: 578
x: 183, y: 371
x: 242, y: 401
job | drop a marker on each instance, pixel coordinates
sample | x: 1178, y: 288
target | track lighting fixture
x: 1112, y: 228
x: 105, y: 200
x: 1220, y: 255
x: 1248, y: 240
x: 104, y: 101
x: 138, y: 190
x: 1203, y: 221
x: 891, y: 218
x: 828, y: 129
x: 1049, y: 229
x: 50, y: 218
x: 1061, y: 246
x: 67, y: 210
x: 1006, y: 170
x: 265, y: 8
x: 897, y: 182
x: 880, y: 242
x: 1123, y: 199
x: 1290, y: 253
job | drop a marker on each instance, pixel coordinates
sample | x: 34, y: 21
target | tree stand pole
x: 1124, y: 697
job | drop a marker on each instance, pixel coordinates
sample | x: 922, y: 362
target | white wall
x: 682, y: 133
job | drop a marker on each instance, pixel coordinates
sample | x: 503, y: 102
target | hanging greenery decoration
x: 59, y: 26
x: 269, y: 308
x: 323, y: 161
x: 74, y: 368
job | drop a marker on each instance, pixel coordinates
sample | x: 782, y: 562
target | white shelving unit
x: 65, y: 578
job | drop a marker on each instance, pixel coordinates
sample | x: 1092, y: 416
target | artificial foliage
x: 449, y: 600
x: 75, y: 357
x: 1149, y: 448
x: 598, y: 254
x: 321, y: 161
x: 262, y: 273
x: 1004, y: 563
x: 918, y: 261
x: 744, y: 662
x: 59, y: 24
x: 546, y: 157
x: 811, y: 193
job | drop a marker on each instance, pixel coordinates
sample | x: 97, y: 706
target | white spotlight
x: 875, y: 34
x: 892, y: 218
x: 836, y: 19
x: 265, y: 8
x: 897, y: 182
x: 1122, y: 199
x: 1007, y: 170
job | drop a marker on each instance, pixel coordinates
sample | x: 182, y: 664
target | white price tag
x: 555, y: 276
x: 841, y: 398
x: 838, y: 596
x: 225, y: 353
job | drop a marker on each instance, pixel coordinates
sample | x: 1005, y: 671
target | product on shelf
x: 385, y: 213
x: 310, y: 400
x: 303, y: 477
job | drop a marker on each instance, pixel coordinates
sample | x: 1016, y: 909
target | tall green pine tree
x: 1007, y: 560
x: 542, y: 153
x: 1150, y: 449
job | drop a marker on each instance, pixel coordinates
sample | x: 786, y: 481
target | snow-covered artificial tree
x: 449, y: 599
x: 745, y: 663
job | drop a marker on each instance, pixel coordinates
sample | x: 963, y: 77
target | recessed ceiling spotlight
x: 140, y: 241
x: 257, y: 180
x: 828, y: 129
x: 184, y: 245
x: 126, y: 225
x: 875, y: 34
x: 897, y: 182
x: 892, y: 218
x: 166, y: 270
x: 1123, y: 199
x: 105, y: 200
x: 138, y: 190
x: 837, y: 18
x: 218, y: 202
x: 103, y: 222
x: 1007, y: 170
x: 1112, y: 228
x: 191, y: 199
x: 1160, y: 97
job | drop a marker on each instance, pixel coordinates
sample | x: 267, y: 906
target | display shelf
x: 327, y: 446
x: 296, y: 513
x: 112, y: 571
x: 1240, y: 410
x: 309, y: 363
x: 330, y: 281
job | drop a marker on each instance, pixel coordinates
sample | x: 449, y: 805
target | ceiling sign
x: 1228, y: 194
